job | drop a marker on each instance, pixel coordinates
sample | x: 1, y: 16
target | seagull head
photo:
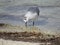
x: 27, y: 16
x: 25, y: 19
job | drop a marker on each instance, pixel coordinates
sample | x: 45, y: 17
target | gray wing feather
x: 34, y: 10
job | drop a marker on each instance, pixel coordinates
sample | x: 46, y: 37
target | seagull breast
x: 32, y: 13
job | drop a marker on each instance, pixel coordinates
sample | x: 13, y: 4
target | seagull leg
x: 26, y: 24
x: 33, y: 23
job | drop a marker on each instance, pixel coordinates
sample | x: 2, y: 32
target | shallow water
x: 49, y: 19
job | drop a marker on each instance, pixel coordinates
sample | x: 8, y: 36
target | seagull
x: 32, y: 14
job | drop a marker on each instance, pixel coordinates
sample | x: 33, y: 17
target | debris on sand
x: 27, y: 36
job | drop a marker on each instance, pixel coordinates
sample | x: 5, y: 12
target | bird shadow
x: 41, y: 22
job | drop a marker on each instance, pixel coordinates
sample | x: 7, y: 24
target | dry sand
x: 9, y: 42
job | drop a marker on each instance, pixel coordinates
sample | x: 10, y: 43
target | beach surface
x: 29, y: 36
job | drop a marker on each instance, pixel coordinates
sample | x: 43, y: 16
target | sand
x: 12, y: 29
x: 10, y: 42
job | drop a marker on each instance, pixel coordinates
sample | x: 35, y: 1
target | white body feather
x: 30, y: 16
